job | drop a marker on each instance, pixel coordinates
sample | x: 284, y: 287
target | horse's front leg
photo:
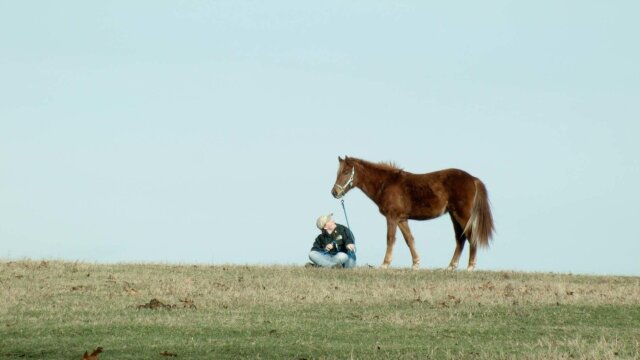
x: 392, y: 226
x: 408, y: 238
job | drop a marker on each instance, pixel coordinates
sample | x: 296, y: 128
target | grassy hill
x: 59, y: 310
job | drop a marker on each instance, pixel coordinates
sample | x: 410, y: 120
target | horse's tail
x: 479, y: 228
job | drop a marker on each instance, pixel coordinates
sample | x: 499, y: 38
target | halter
x: 349, y: 182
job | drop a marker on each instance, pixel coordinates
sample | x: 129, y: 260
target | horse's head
x: 344, y: 179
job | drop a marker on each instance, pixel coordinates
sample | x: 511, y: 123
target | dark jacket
x: 341, y: 235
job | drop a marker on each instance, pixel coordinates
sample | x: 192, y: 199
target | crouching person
x: 334, y: 247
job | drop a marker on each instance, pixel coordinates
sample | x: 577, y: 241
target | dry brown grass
x: 47, y: 307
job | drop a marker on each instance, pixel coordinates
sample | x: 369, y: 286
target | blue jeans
x: 324, y: 259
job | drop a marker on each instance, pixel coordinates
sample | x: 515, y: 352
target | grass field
x: 59, y: 310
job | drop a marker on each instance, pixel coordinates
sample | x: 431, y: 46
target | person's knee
x: 342, y: 258
x: 313, y: 255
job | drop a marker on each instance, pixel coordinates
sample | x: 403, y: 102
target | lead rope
x: 352, y: 254
x: 345, y: 213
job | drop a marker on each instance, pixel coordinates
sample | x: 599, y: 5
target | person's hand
x: 328, y: 247
x: 351, y: 247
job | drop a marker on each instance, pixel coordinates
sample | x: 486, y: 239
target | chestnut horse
x: 402, y: 196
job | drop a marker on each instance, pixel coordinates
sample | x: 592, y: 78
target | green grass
x: 59, y: 310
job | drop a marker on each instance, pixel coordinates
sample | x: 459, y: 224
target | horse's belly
x: 428, y: 212
x: 425, y: 217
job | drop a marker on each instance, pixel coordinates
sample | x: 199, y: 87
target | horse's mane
x: 383, y: 165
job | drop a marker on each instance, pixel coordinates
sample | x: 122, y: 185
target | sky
x: 208, y: 132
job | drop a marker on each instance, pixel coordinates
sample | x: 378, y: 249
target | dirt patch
x: 95, y: 355
x: 157, y: 304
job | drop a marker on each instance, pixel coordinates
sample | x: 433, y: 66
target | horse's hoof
x: 384, y: 266
x: 415, y: 267
x: 451, y: 268
x: 470, y: 268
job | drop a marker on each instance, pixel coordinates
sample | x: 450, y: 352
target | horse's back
x: 449, y: 178
x: 451, y: 172
x: 447, y: 185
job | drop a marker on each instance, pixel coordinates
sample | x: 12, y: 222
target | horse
x: 402, y: 196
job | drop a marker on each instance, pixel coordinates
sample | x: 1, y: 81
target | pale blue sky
x: 209, y: 131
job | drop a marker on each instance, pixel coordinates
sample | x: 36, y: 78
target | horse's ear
x: 340, y: 159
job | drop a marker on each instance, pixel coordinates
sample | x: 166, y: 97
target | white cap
x: 323, y: 220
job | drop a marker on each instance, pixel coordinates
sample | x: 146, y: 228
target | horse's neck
x: 372, y: 181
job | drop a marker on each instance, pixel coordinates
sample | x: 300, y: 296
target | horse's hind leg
x: 408, y: 238
x: 460, y: 240
x: 473, y: 249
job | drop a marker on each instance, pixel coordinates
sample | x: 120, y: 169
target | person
x: 335, y: 246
